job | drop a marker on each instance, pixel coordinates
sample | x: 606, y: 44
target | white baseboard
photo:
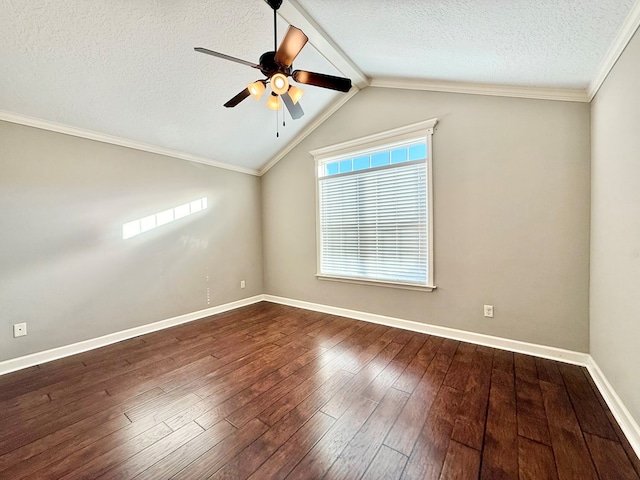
x: 624, y: 418
x: 11, y: 365
x: 552, y: 353
x: 626, y: 421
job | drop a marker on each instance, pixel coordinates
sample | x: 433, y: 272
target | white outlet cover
x: 19, y: 330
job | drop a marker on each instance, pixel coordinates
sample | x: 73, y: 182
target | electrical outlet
x: 242, y: 284
x: 19, y: 330
x: 488, y: 311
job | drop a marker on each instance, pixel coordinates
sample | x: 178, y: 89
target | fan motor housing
x: 269, y: 66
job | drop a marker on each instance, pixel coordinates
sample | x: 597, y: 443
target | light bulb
x: 279, y: 83
x: 295, y: 93
x: 274, y: 102
x: 256, y: 89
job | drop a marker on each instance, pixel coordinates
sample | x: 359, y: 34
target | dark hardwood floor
x: 269, y: 391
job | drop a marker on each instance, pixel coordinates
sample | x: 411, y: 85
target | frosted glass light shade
x: 256, y: 89
x: 295, y: 93
x: 274, y: 102
x: 279, y: 83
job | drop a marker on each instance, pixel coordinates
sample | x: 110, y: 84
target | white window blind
x: 374, y: 209
x: 374, y: 223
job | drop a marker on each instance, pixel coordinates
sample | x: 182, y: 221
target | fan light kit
x: 279, y: 84
x: 276, y: 66
x: 274, y: 102
x: 256, y: 89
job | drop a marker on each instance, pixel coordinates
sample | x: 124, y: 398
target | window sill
x: 377, y: 283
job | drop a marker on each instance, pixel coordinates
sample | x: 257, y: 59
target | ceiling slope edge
x: 120, y: 141
x: 319, y: 120
x: 294, y: 14
x: 628, y: 29
x: 537, y: 93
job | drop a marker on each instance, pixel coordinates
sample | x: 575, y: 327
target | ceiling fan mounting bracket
x: 275, y: 4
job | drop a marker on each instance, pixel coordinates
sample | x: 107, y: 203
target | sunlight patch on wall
x: 136, y: 227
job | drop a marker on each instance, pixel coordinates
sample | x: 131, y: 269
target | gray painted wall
x: 511, y: 186
x: 64, y: 267
x: 615, y: 228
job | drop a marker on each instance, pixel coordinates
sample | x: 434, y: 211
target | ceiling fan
x: 276, y: 66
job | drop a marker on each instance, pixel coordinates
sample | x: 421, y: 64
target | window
x: 375, y: 209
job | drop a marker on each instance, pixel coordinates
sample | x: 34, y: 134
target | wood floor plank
x: 470, y: 423
x: 152, y: 454
x: 573, y: 460
x: 215, y: 458
x: 360, y: 451
x: 610, y: 459
x: 633, y: 458
x: 320, y: 458
x: 318, y: 393
x: 188, y: 453
x: 460, y: 366
x: 299, y: 382
x: 548, y: 371
x: 498, y: 458
x: 525, y: 367
x: 245, y: 463
x: 461, y: 463
x: 406, y: 429
x: 591, y: 415
x: 532, y: 418
x: 418, y: 365
x: 385, y: 379
x: 211, y: 410
x: 386, y: 465
x: 73, y: 422
x: 95, y: 459
x: 340, y: 402
x: 312, y: 395
x: 288, y: 455
x: 429, y: 452
x: 43, y: 452
x: 535, y: 461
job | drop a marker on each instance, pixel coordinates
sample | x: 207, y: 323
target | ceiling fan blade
x: 321, y: 80
x: 226, y: 57
x: 295, y: 110
x: 291, y: 46
x: 238, y: 98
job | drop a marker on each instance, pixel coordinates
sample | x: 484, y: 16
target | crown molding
x: 319, y: 120
x: 629, y: 27
x: 538, y: 93
x: 113, y: 140
x: 294, y: 14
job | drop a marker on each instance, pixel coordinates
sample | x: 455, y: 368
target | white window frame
x: 362, y: 146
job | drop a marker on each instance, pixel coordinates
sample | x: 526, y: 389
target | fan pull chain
x: 277, y: 126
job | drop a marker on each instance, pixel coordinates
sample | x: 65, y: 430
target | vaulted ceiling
x: 126, y: 71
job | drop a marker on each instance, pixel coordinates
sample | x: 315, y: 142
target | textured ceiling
x: 128, y: 69
x: 542, y: 43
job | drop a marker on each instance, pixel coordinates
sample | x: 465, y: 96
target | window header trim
x: 377, y: 140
